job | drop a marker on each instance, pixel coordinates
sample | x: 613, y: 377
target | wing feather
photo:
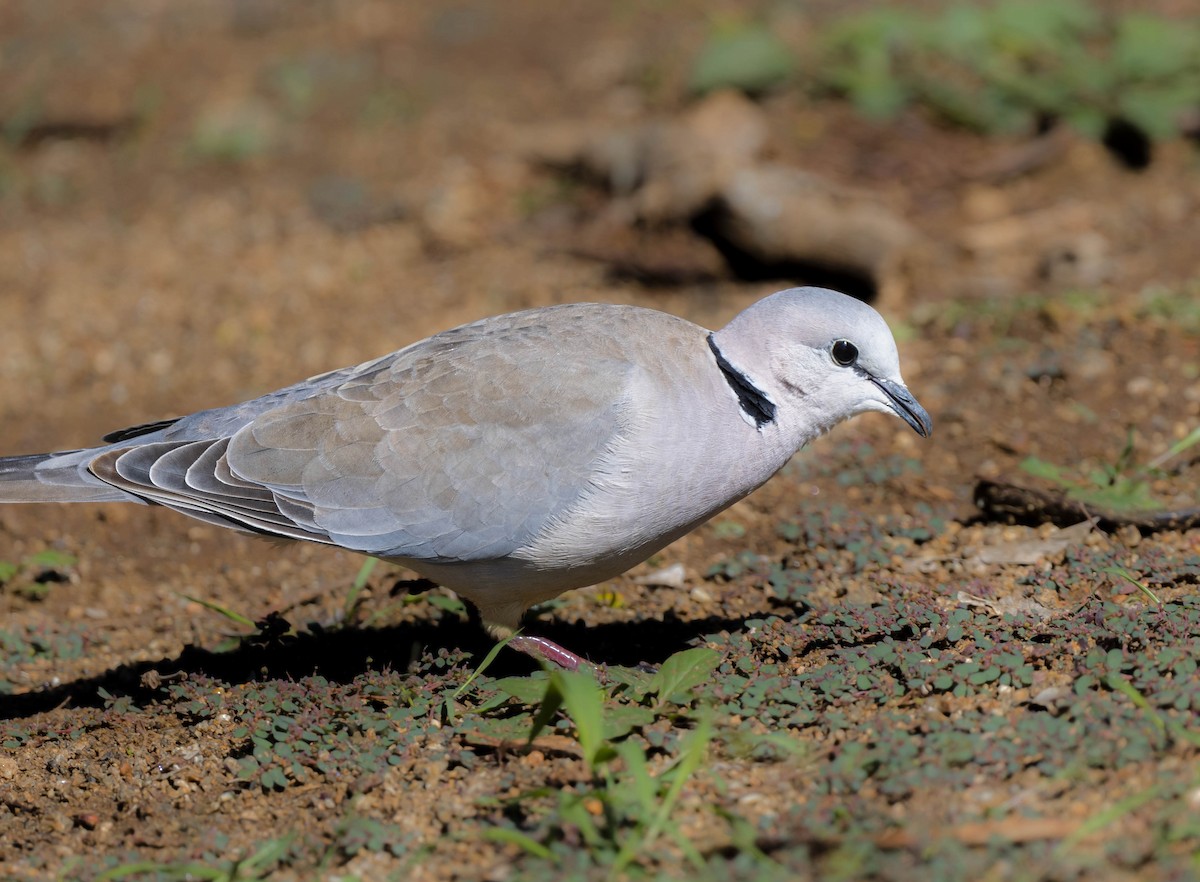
x: 157, y: 473
x: 462, y: 447
x: 457, y: 450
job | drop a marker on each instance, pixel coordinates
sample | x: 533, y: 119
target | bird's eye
x: 844, y: 352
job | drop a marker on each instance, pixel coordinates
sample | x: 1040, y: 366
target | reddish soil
x: 202, y: 202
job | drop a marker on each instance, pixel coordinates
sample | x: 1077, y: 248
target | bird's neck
x: 756, y: 405
x: 783, y: 420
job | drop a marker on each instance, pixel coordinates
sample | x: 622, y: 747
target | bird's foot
x: 547, y: 650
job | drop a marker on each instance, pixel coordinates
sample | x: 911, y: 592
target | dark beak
x: 906, y: 406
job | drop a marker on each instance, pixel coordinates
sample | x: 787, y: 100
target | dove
x: 516, y: 457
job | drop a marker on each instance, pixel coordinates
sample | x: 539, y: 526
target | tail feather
x: 55, y: 477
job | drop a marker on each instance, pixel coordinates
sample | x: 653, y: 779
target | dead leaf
x: 1028, y: 552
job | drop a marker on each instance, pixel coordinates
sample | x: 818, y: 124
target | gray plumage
x: 515, y: 457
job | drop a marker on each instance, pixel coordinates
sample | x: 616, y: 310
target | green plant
x: 33, y: 574
x: 26, y: 644
x: 273, y: 624
x: 450, y: 702
x: 234, y: 134
x: 1125, y: 575
x: 296, y: 83
x: 742, y: 56
x: 626, y: 800
x: 624, y: 807
x: 1122, y: 485
x: 295, y: 732
x: 1175, y: 306
x: 355, y: 597
x: 231, y: 614
x: 1006, y: 66
x: 255, y: 865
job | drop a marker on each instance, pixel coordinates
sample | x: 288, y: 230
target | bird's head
x: 817, y: 357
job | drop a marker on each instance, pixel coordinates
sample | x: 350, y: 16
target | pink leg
x: 547, y: 650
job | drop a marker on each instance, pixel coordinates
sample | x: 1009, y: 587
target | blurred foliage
x: 1008, y: 66
x: 1004, y: 67
x: 33, y: 575
x: 21, y: 645
x: 234, y: 133
x: 746, y: 56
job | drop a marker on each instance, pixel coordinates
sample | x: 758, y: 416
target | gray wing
x: 461, y: 447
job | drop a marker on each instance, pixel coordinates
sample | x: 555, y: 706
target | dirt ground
x: 201, y: 202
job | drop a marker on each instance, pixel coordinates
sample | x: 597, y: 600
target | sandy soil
x: 202, y: 202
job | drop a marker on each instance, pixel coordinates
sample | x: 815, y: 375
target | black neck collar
x: 753, y: 401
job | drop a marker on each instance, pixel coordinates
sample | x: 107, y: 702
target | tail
x: 56, y: 477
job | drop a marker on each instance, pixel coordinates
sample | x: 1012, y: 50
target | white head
x: 816, y: 357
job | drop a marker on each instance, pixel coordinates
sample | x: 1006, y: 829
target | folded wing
x: 460, y: 448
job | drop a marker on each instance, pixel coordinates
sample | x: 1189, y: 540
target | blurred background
x: 202, y: 201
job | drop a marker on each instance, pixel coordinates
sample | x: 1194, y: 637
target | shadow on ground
x: 341, y: 655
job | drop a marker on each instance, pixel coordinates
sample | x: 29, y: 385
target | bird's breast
x: 676, y: 464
